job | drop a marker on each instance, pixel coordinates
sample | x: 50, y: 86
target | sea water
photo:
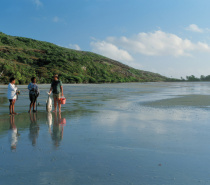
x: 133, y: 133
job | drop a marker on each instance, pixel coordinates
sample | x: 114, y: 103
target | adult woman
x: 33, y: 93
x: 12, y: 96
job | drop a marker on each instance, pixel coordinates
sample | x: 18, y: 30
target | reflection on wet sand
x: 49, y: 121
x: 33, y: 129
x: 57, y: 133
x: 13, y: 135
x: 34, y: 124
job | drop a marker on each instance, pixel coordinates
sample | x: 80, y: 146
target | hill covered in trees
x: 23, y: 58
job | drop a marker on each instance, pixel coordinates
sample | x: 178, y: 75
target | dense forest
x: 23, y: 58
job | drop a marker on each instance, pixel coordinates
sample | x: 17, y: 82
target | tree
x: 202, y: 78
x: 192, y: 78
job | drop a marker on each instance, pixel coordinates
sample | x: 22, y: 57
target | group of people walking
x: 56, y: 88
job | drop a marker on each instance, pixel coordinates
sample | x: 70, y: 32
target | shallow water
x: 137, y: 133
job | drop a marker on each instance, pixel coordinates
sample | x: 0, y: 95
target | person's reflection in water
x: 57, y: 133
x: 49, y: 121
x: 34, y: 129
x: 14, y: 133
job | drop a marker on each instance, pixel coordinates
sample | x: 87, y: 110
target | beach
x: 129, y: 133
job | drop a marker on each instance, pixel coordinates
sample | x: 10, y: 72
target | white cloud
x: 110, y: 50
x: 38, y: 3
x: 158, y: 43
x: 74, y: 46
x: 194, y: 28
x: 56, y: 19
x: 174, y: 52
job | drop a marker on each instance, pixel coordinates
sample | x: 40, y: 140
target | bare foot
x: 14, y: 113
x: 55, y: 111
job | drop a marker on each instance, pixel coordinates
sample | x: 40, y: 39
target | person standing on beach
x: 12, y: 96
x: 33, y: 94
x: 57, y: 89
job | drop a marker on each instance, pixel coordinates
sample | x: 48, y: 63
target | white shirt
x: 11, y: 93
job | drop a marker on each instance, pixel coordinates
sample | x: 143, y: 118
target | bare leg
x: 59, y: 105
x: 34, y: 103
x: 30, y: 107
x: 55, y: 105
x: 10, y: 108
x: 13, y: 108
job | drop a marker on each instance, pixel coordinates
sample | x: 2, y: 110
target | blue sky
x: 170, y: 37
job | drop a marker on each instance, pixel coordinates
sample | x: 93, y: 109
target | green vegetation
x: 23, y: 58
x: 192, y: 78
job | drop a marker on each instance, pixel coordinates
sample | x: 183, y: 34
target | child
x: 11, y: 95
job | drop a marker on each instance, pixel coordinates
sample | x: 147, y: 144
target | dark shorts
x: 12, y: 100
x: 32, y: 98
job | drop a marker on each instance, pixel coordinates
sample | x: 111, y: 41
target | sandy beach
x: 136, y: 133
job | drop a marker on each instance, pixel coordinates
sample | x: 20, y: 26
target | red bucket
x: 63, y: 100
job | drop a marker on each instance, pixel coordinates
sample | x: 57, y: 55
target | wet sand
x: 137, y: 133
